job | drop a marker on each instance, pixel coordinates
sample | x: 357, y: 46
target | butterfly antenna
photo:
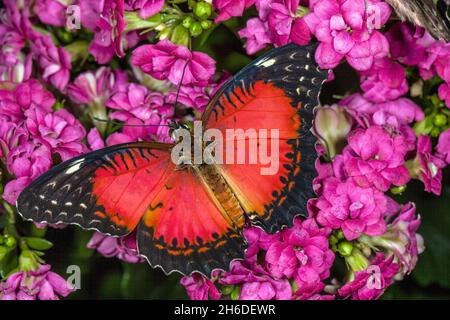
x: 181, y: 82
x: 128, y: 124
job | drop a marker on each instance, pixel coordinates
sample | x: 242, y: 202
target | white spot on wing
x: 75, y: 167
x: 266, y: 63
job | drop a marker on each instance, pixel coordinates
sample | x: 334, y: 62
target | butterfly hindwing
x: 185, y: 229
x: 278, y: 91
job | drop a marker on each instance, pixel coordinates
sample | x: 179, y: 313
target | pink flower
x: 354, y: 209
x: 11, y: 136
x: 443, y: 146
x: 285, y: 25
x: 94, y: 139
x: 26, y: 162
x: 408, y: 44
x: 105, y: 19
x: 41, y: 284
x: 430, y: 166
x: 17, y: 99
x: 256, y: 283
x: 374, y: 158
x: 59, y: 131
x: 124, y: 248
x: 147, y: 8
x: 230, y: 8
x: 52, y: 12
x: 166, y: 60
x: 258, y: 240
x: 402, y: 239
x: 342, y: 29
x: 135, y: 101
x: 199, y: 287
x: 385, y: 81
x: 304, y: 254
x: 54, y: 61
x: 14, y: 26
x: 18, y: 72
x: 257, y: 34
x: 191, y: 96
x: 371, y: 283
x: 95, y: 87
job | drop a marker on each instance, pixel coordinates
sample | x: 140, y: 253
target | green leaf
x: 38, y: 243
x: 8, y: 262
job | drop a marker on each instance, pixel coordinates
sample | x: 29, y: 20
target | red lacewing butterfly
x: 191, y: 218
x: 433, y: 15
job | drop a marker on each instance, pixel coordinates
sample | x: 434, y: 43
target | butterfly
x: 433, y: 15
x: 191, y: 217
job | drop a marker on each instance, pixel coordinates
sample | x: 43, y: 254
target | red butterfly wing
x: 278, y: 91
x: 113, y: 190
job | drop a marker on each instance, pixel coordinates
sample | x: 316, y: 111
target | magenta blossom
x: 230, y: 8
x: 52, y: 12
x: 59, y: 131
x: 256, y: 283
x: 199, y: 287
x: 12, y: 135
x: 26, y: 162
x: 304, y: 254
x: 41, y: 284
x: 408, y: 44
x: 374, y: 158
x: 257, y: 34
x: 401, y: 238
x: 285, y: 25
x: 444, y: 93
x: 123, y: 248
x: 95, y: 140
x: 385, y: 81
x: 191, y: 96
x: 371, y: 283
x: 17, y: 99
x: 354, y: 209
x: 54, y: 61
x: 443, y: 146
x: 166, y: 60
x: 344, y: 31
x: 147, y: 8
x: 106, y: 20
x: 95, y: 87
x: 429, y: 166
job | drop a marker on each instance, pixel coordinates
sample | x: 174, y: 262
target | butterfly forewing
x: 278, y: 91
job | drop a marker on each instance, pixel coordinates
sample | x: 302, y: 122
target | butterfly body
x: 189, y: 216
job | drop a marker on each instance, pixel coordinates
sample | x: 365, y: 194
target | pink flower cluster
x: 41, y: 284
x: 31, y: 133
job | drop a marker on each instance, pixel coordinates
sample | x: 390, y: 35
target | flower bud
x: 235, y: 293
x: 10, y: 241
x: 357, y: 261
x: 202, y: 10
x: 332, y: 125
x: 180, y: 35
x: 345, y: 248
x: 64, y: 36
x: 440, y: 120
x: 187, y: 22
x: 196, y: 29
x: 206, y: 24
x: 3, y: 252
x: 398, y: 190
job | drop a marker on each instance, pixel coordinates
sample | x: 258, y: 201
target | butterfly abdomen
x: 223, y: 194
